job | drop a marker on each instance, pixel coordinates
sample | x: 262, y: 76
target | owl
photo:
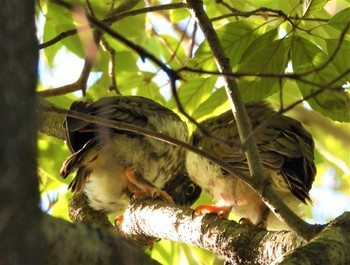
x: 287, y: 154
x: 113, y: 165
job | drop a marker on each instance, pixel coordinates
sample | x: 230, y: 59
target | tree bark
x: 20, y: 221
x: 237, y: 243
x: 82, y: 243
x: 28, y: 236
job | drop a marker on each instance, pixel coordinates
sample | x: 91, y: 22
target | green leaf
x: 216, y: 103
x: 172, y: 51
x: 311, y: 7
x: 126, y: 61
x: 176, y: 15
x: 343, y: 52
x: 140, y: 84
x: 193, y: 92
x: 235, y: 38
x: 307, y: 57
x: 265, y: 55
x: 131, y: 27
x: 340, y: 20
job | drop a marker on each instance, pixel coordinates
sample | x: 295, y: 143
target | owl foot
x: 147, y: 190
x: 221, y: 211
x: 118, y: 220
x: 247, y: 222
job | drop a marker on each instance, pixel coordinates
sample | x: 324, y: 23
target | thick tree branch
x: 146, y: 219
x: 20, y: 222
x: 258, y: 181
x: 88, y: 244
x: 237, y: 243
x: 226, y: 238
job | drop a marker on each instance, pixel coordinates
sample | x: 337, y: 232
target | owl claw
x: 153, y: 192
x: 221, y: 211
x: 119, y: 219
x: 247, y: 222
x: 147, y: 190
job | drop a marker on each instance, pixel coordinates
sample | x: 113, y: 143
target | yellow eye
x: 190, y: 189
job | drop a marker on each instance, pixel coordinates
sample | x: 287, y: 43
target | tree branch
x: 226, y: 238
x: 237, y: 243
x: 87, y: 244
x: 147, y: 219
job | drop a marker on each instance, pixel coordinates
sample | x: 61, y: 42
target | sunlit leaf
x: 312, y: 6
x: 193, y: 92
x: 342, y: 52
x: 235, y: 38
x: 307, y: 57
x: 340, y: 20
x: 264, y: 56
x: 217, y: 102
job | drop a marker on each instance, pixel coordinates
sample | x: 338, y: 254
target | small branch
x: 111, y: 69
x: 115, y: 17
x: 239, y: 14
x: 278, y: 13
x: 80, y: 84
x: 62, y: 36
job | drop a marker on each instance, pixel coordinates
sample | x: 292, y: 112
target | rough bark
x: 82, y: 243
x: 19, y: 196
x: 238, y: 244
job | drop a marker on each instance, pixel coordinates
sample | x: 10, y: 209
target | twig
x: 111, y: 68
x: 193, y: 40
x: 279, y: 13
x: 115, y: 17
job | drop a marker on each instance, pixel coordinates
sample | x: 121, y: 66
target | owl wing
x: 128, y: 109
x: 285, y: 147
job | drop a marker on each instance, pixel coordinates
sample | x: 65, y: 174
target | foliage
x: 281, y: 50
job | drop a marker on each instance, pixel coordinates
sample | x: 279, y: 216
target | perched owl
x: 287, y: 155
x: 112, y: 165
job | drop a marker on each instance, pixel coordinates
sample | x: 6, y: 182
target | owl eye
x: 190, y: 189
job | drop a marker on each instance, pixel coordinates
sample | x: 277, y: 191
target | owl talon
x: 221, y: 211
x: 147, y: 190
x: 153, y: 192
x: 247, y: 222
x: 118, y: 220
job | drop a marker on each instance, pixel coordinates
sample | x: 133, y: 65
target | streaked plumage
x: 102, y: 156
x: 286, y: 151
